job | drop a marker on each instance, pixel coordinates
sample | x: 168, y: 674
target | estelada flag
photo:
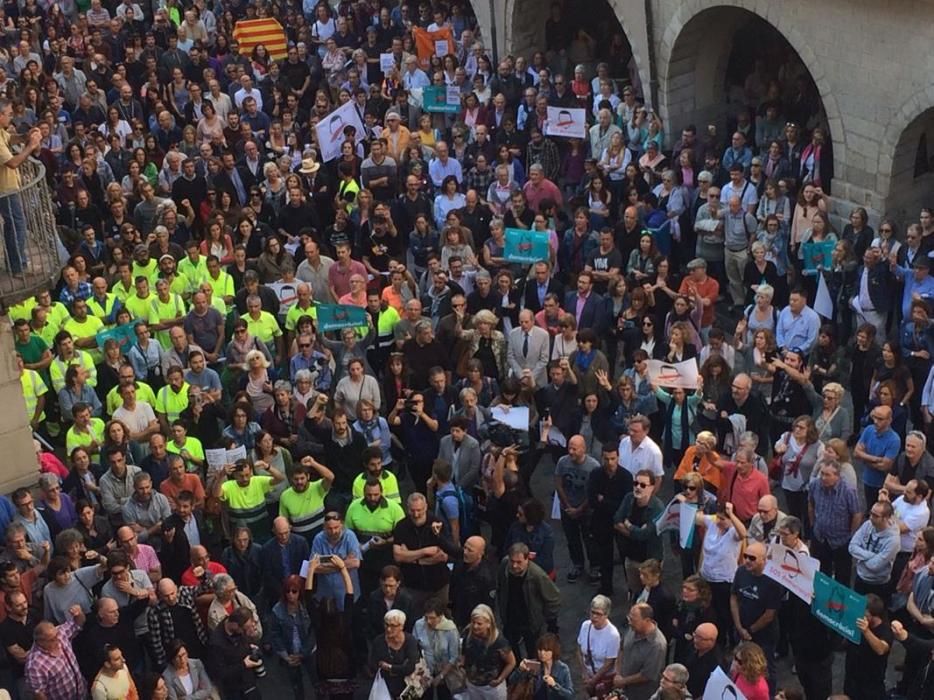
x: 268, y: 32
x: 426, y: 43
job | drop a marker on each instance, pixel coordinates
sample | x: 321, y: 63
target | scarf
x: 370, y: 430
x: 685, y: 425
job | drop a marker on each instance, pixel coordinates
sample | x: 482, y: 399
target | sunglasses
x: 641, y: 485
x: 690, y: 487
x: 750, y: 557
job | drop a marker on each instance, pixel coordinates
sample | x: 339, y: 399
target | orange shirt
x: 705, y: 466
x: 394, y: 299
x: 190, y: 482
x: 708, y: 289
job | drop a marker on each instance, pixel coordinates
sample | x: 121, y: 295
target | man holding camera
x: 235, y: 663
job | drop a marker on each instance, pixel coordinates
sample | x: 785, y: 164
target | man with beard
x: 373, y: 519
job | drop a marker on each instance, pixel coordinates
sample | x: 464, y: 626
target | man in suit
x: 232, y: 179
x: 281, y: 557
x: 527, y: 353
x: 462, y: 452
x: 536, y: 288
x: 588, y: 307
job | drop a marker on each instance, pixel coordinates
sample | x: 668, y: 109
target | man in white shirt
x: 247, y: 90
x: 912, y: 515
x: 638, y: 451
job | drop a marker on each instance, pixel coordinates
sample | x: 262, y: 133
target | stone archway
x: 906, y: 168
x: 898, y: 172
x: 692, y: 62
x: 523, y: 23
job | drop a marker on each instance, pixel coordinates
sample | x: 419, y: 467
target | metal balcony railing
x: 30, y: 258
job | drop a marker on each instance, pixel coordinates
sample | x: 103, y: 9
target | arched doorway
x: 725, y: 60
x: 606, y: 39
x: 912, y: 182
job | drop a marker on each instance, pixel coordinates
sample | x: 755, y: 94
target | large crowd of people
x: 232, y: 499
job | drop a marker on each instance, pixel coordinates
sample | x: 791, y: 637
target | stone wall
x: 18, y: 466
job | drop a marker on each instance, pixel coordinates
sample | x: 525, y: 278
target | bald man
x: 764, y: 524
x: 877, y: 449
x: 572, y: 473
x: 110, y: 625
x: 201, y: 567
x: 703, y: 657
x: 175, y: 616
x: 281, y: 557
x: 473, y: 581
x: 754, y: 603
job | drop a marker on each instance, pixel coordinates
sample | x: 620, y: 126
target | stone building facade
x: 872, y: 65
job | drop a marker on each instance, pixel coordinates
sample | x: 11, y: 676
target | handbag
x: 776, y: 466
x: 455, y: 680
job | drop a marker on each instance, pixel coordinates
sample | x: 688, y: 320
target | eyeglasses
x: 689, y: 487
x: 304, y: 345
x: 647, y: 323
x: 750, y: 557
x: 641, y: 485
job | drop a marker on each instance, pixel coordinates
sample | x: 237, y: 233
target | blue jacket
x: 282, y: 629
x: 564, y: 686
x: 270, y: 559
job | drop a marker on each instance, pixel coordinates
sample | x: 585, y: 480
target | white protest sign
x: 566, y: 122
x: 330, y: 130
x: 218, y: 458
x: 678, y: 517
x: 386, y: 62
x: 673, y: 374
x: 441, y: 48
x: 516, y: 417
x: 720, y: 687
x: 793, y: 570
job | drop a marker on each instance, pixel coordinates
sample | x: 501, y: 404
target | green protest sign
x: 125, y: 336
x: 523, y: 246
x: 441, y: 98
x: 332, y: 317
x: 837, y: 606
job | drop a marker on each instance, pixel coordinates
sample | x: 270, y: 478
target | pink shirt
x: 146, y: 558
x: 753, y: 691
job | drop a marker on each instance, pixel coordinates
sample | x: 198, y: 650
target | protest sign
x: 441, y: 98
x: 125, y: 336
x: 332, y: 317
x: 678, y: 517
x: 720, y: 687
x: 837, y: 606
x: 219, y: 458
x: 524, y: 246
x: 429, y: 44
x: 566, y: 122
x: 672, y: 375
x: 817, y: 255
x: 330, y: 130
x: 386, y: 62
x: 793, y: 570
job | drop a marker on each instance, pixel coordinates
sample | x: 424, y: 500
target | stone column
x: 17, y: 456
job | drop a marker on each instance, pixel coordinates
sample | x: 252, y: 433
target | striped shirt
x: 833, y: 511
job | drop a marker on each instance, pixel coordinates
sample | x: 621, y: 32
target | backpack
x: 465, y: 510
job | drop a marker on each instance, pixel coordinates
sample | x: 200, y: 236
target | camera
x: 257, y: 657
x: 322, y: 362
x: 410, y: 406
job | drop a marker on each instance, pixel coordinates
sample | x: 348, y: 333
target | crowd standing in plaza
x: 371, y: 524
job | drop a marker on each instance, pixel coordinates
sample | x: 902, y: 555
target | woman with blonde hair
x: 701, y: 459
x: 831, y: 417
x: 485, y: 344
x: 486, y: 657
x: 748, y: 671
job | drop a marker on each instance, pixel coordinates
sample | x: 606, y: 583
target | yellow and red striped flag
x: 268, y: 31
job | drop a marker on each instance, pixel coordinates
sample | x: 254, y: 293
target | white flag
x: 822, y: 302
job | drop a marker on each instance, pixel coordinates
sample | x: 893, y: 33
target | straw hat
x: 309, y: 166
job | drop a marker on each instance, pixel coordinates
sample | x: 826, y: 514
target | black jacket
x: 471, y: 586
x: 530, y: 293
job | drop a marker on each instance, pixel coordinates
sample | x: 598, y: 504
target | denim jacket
x: 283, y: 626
